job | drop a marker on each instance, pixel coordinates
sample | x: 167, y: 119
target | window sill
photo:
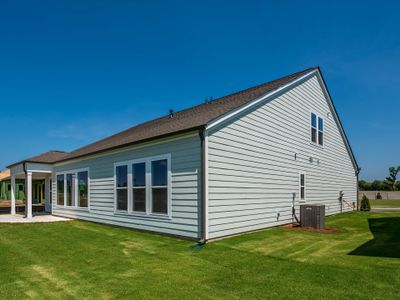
x: 317, y: 145
x: 142, y: 214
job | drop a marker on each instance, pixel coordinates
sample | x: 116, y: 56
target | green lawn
x: 385, y: 203
x: 84, y: 260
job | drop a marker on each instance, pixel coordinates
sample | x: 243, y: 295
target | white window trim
x: 305, y: 187
x: 73, y: 172
x: 129, y: 171
x: 323, y: 131
x: 149, y: 200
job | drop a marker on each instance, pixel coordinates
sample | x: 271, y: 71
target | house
x: 5, y: 187
x: 223, y: 167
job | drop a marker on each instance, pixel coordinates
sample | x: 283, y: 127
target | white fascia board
x: 337, y: 120
x: 39, y: 168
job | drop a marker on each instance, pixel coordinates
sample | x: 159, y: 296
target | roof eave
x: 227, y: 116
x: 132, y: 143
x: 347, y: 142
x: 28, y: 161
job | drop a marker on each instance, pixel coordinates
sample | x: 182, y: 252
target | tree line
x: 389, y: 184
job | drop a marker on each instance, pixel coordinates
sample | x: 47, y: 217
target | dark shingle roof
x: 48, y: 157
x: 185, y: 120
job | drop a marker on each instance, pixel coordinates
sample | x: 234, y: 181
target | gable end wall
x: 253, y: 172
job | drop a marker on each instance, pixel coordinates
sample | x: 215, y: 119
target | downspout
x: 203, y: 238
x: 358, y: 189
x: 294, y: 217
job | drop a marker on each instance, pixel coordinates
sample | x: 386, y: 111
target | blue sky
x: 72, y: 72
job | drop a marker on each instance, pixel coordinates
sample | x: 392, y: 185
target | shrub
x: 378, y: 196
x: 365, y: 206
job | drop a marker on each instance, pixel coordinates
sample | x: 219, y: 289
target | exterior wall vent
x: 312, y: 216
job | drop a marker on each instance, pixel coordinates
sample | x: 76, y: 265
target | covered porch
x: 40, y: 173
x: 39, y: 167
x: 38, y: 194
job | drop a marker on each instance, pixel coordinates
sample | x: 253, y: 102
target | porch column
x: 13, y: 195
x: 47, y: 187
x: 28, y: 204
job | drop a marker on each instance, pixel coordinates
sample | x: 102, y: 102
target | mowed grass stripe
x: 85, y: 260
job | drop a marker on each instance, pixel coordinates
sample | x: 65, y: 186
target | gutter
x: 24, y: 168
x: 203, y: 183
x: 68, y: 158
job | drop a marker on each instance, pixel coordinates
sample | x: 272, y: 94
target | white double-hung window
x: 144, y: 185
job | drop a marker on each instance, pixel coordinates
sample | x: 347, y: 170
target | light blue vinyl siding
x: 256, y: 158
x: 185, y: 168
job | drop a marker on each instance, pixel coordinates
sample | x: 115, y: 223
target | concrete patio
x: 35, y: 219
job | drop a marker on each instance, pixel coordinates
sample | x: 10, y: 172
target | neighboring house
x: 5, y: 187
x: 224, y: 167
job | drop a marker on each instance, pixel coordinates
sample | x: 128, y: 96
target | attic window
x: 313, y: 128
x: 320, y: 131
x: 317, y: 129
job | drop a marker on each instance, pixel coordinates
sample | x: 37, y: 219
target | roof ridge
x: 239, y: 92
x: 265, y: 83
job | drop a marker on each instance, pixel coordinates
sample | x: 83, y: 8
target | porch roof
x: 48, y: 157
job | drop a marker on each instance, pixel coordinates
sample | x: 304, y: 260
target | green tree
x: 365, y: 206
x: 364, y: 185
x: 398, y: 185
x: 393, y: 177
x: 376, y: 185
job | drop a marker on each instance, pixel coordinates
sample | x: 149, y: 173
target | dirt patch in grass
x: 327, y: 230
